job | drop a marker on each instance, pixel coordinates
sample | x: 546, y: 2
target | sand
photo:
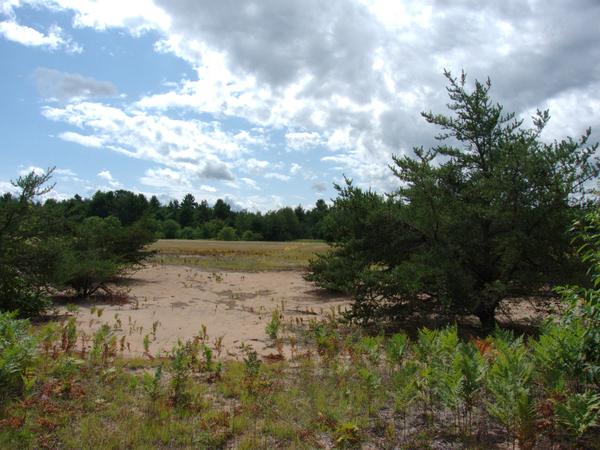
x: 176, y: 301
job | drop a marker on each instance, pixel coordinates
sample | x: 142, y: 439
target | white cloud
x: 65, y: 172
x: 86, y: 141
x: 207, y: 188
x: 253, y: 164
x: 195, y: 147
x: 54, y: 40
x: 277, y: 176
x: 107, y: 176
x: 295, y: 168
x: 34, y: 169
x: 250, y: 183
x: 349, y: 76
x: 302, y: 140
x: 6, y: 187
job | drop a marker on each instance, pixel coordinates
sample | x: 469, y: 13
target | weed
x: 272, y: 328
x: 180, y: 369
x: 152, y: 384
x: 347, y: 434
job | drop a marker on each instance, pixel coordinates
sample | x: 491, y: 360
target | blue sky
x: 269, y: 103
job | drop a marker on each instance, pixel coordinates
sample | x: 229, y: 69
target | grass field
x: 237, y: 255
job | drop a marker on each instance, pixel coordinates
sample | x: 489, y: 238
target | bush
x: 100, y: 251
x: 170, y: 229
x: 227, y: 234
x: 17, y: 353
x: 249, y: 235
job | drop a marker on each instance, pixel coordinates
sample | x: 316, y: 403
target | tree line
x: 190, y: 219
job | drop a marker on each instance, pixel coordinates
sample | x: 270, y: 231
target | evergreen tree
x: 479, y: 218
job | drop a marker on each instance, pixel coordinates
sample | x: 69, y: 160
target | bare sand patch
x: 172, y: 302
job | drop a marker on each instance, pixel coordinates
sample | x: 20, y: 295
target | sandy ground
x: 176, y: 301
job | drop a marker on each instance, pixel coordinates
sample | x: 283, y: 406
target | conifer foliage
x: 480, y: 217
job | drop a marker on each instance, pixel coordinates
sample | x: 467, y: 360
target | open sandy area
x: 168, y: 303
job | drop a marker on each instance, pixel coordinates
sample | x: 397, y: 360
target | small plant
x: 208, y: 358
x: 579, y: 412
x: 101, y: 345
x: 155, y: 325
x: 48, y: 335
x: 396, y: 347
x: 180, y: 370
x: 347, y: 434
x: 272, y: 328
x: 152, y: 384
x: 509, y: 382
x: 146, y: 343
x: 218, y: 345
x: 251, y: 370
x: 69, y: 335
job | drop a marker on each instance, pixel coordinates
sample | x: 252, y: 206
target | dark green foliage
x: 25, y: 261
x: 479, y: 218
x: 170, y: 229
x: 53, y: 246
x: 98, y: 251
x: 583, y: 315
x: 17, y: 353
x: 227, y: 234
x: 190, y: 219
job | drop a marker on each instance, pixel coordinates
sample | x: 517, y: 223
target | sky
x: 269, y: 103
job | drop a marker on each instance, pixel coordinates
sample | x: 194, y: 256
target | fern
x: 579, y: 412
x: 509, y: 383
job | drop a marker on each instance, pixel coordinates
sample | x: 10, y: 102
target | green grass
x: 237, y: 255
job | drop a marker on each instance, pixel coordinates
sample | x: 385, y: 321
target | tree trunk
x: 487, y: 315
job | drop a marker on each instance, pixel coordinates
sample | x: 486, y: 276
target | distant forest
x: 189, y: 219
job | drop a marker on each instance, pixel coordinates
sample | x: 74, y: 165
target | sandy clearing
x: 235, y: 305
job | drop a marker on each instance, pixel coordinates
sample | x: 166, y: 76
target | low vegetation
x: 241, y: 255
x: 340, y: 388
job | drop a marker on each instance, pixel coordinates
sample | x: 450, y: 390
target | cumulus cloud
x: 206, y: 188
x: 277, y: 176
x: 58, y: 85
x: 250, y: 183
x: 107, y: 176
x: 348, y: 76
x: 55, y: 38
x: 86, y: 141
x: 302, y: 140
x: 216, y: 170
x: 27, y: 170
x: 295, y: 168
x: 192, y: 146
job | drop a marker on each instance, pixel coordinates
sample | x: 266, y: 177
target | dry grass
x: 238, y: 255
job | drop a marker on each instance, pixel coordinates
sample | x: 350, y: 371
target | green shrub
x: 579, y: 412
x: 249, y: 235
x: 227, y: 234
x: 509, y: 381
x: 17, y: 353
x: 272, y: 328
x: 170, y: 229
